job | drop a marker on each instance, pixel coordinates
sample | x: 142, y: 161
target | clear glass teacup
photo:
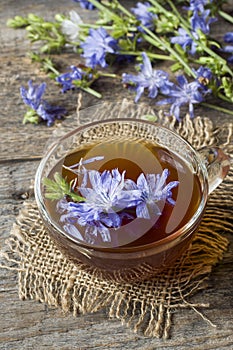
x: 150, y: 236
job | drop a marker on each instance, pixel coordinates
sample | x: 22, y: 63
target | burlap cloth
x: 45, y: 275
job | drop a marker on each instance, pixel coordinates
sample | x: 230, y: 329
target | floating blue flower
x: 107, y: 192
x: 228, y: 38
x: 85, y: 4
x: 104, y: 201
x: 108, y: 198
x: 78, y: 213
x: 33, y: 98
x: 185, y: 41
x: 143, y: 14
x: 153, y: 189
x: 86, y: 161
x: 182, y: 94
x: 153, y: 80
x: 202, y: 21
x: 96, y: 46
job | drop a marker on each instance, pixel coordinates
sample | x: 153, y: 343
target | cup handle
x: 217, y: 164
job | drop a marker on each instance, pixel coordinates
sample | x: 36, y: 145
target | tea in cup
x: 125, y: 196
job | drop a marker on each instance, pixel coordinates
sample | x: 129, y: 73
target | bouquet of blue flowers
x: 178, y: 32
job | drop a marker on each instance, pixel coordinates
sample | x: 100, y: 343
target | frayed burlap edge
x: 147, y: 307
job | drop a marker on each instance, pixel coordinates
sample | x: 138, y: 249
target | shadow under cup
x: 123, y: 263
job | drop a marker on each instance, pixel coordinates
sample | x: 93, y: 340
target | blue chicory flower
x: 203, y: 72
x: 204, y: 76
x: 85, y: 4
x: 49, y: 113
x: 96, y: 46
x: 142, y: 13
x: 124, y: 59
x: 228, y: 38
x: 33, y: 98
x: 86, y: 216
x: 202, y: 21
x: 197, y: 5
x: 107, y: 199
x: 185, y: 41
x: 148, y: 78
x: 104, y: 201
x: 67, y: 79
x: 182, y: 94
x: 78, y: 213
x: 153, y: 189
x: 108, y: 192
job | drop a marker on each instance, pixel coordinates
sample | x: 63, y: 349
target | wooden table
x: 30, y: 324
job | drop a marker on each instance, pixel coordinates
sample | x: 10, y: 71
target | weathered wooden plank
x: 30, y: 324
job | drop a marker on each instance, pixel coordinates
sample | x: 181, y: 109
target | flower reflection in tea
x: 110, y: 201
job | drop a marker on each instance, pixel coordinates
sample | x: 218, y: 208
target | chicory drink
x: 120, y: 194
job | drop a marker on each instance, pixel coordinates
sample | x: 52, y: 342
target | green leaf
x: 150, y: 117
x: 227, y: 86
x: 58, y: 188
x: 17, y: 22
x: 31, y: 117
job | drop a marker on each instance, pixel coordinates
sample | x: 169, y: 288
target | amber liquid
x: 138, y: 157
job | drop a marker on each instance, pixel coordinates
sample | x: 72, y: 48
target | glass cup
x: 130, y: 263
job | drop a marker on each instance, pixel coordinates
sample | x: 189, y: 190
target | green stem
x: 124, y: 10
x: 149, y: 54
x: 226, y: 16
x: 91, y: 91
x: 212, y: 54
x: 224, y: 98
x: 165, y: 11
x: 105, y: 10
x: 54, y: 71
x: 178, y: 15
x: 95, y: 26
x: 159, y: 7
x: 108, y: 75
x: 110, y: 28
x: 206, y: 49
x: 51, y: 68
x: 185, y: 25
x: 216, y: 56
x: 156, y: 41
x: 162, y: 44
x: 217, y: 108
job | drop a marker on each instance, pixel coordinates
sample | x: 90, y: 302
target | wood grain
x: 30, y: 324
